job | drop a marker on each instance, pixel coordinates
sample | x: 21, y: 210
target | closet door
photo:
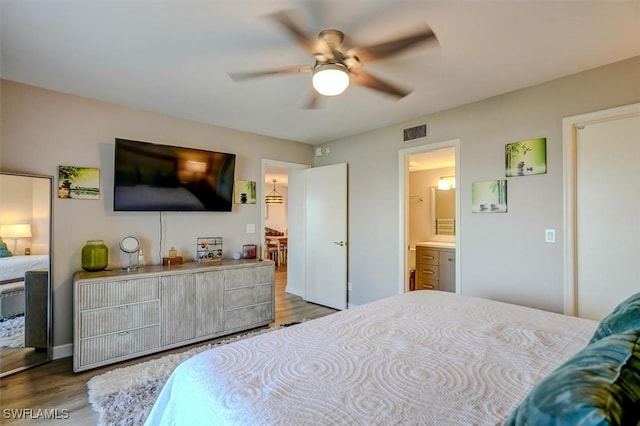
x: 607, y: 214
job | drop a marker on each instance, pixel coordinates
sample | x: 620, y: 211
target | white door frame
x: 403, y: 202
x: 569, y: 141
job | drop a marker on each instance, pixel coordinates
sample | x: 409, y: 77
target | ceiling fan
x: 335, y: 66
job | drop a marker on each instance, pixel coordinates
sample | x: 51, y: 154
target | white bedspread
x: 15, y: 266
x: 424, y: 357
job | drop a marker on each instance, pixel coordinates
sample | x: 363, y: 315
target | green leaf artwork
x: 489, y: 196
x: 527, y: 157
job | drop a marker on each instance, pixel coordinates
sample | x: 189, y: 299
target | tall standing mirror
x: 25, y: 271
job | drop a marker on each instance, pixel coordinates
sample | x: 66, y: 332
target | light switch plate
x: 251, y: 228
x: 549, y: 235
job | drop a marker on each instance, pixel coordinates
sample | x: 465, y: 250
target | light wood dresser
x: 125, y: 314
x: 435, y: 268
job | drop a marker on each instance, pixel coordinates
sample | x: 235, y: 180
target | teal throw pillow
x: 600, y: 385
x: 4, y: 251
x: 626, y: 316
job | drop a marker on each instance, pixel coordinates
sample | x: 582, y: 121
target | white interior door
x: 326, y: 235
x: 607, y: 214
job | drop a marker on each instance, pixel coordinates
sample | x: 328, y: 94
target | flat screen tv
x: 151, y: 177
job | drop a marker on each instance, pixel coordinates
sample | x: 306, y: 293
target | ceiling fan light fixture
x: 330, y: 79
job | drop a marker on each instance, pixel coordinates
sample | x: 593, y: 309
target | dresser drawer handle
x: 427, y: 286
x: 451, y: 259
x: 428, y: 272
x: 123, y: 333
x: 123, y: 307
x: 428, y: 257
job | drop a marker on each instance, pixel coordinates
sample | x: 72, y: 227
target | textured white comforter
x: 15, y: 266
x: 424, y: 357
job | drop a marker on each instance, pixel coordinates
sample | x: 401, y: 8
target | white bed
x: 425, y: 357
x: 13, y: 268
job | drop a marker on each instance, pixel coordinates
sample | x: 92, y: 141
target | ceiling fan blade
x: 314, y: 100
x: 285, y: 19
x: 240, y: 76
x: 367, y: 80
x: 383, y: 50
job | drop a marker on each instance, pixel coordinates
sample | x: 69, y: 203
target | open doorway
x: 275, y: 218
x: 429, y: 173
x: 284, y: 222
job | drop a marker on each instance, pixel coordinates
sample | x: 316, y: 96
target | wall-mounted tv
x: 151, y: 177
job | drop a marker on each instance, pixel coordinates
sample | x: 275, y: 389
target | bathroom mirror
x: 443, y: 211
x: 25, y: 275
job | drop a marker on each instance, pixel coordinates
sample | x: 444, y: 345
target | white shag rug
x: 124, y: 396
x: 12, y: 332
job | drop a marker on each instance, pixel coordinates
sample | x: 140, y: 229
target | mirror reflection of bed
x: 25, y: 261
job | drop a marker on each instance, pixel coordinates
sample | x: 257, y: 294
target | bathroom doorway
x: 424, y: 169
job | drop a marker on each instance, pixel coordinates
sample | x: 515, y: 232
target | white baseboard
x: 62, y: 351
x: 352, y: 305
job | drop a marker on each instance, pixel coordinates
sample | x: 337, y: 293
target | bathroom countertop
x: 437, y: 244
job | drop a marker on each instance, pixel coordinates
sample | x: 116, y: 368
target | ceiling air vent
x: 414, y: 132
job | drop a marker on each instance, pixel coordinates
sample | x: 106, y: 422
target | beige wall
x: 42, y: 129
x: 503, y: 256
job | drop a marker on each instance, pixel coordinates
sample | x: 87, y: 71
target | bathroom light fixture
x: 330, y: 79
x: 446, y: 183
x: 273, y: 197
x: 15, y: 232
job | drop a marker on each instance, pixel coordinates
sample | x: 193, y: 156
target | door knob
x: 340, y: 243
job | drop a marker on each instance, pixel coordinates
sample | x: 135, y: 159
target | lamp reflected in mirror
x: 15, y: 232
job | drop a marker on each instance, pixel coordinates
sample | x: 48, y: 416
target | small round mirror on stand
x: 130, y: 245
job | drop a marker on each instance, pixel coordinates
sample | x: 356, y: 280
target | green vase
x: 95, y: 256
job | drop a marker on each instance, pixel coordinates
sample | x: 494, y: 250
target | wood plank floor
x: 54, y: 386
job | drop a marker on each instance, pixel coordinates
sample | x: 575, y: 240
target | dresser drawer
x: 109, y: 320
x: 242, y: 277
x: 242, y: 317
x: 426, y: 256
x: 94, y: 295
x: 111, y: 346
x: 247, y: 296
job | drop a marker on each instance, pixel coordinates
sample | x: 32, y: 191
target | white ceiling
x: 172, y: 56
